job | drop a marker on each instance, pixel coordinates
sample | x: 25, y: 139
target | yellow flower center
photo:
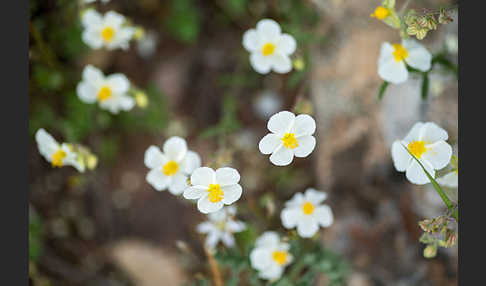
x: 289, y: 140
x: 170, y: 168
x: 104, y: 93
x: 417, y: 148
x: 268, y: 49
x: 215, y: 193
x: 57, y: 158
x: 400, y: 53
x: 307, y: 208
x: 221, y: 225
x: 381, y: 13
x: 280, y: 257
x: 107, y: 34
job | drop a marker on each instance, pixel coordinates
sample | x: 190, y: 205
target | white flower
x: 213, y: 189
x: 290, y: 135
x: 106, y: 31
x: 426, y: 141
x: 110, y: 91
x: 269, y: 48
x: 147, y: 45
x: 172, y: 168
x: 57, y: 154
x: 267, y: 103
x: 306, y: 212
x: 270, y: 256
x: 220, y: 227
x: 450, y: 179
x: 393, y: 60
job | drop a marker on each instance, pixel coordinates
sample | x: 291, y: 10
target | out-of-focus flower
x: 107, y: 31
x: 306, y: 212
x: 450, y: 179
x: 92, y: 1
x: 269, y: 48
x: 386, y: 13
x: 267, y: 103
x: 393, y: 60
x: 110, y: 91
x: 220, y: 227
x: 290, y: 136
x: 147, y: 45
x: 141, y: 99
x: 57, y: 154
x: 171, y: 168
x: 426, y: 141
x: 451, y: 43
x: 299, y: 64
x: 270, y: 256
x: 213, y: 189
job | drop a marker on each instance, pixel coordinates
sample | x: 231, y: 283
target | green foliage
x: 35, y: 236
x: 46, y: 78
x: 79, y: 120
x: 229, y: 121
x: 425, y: 85
x: 442, y: 60
x: 382, y: 89
x: 184, y: 20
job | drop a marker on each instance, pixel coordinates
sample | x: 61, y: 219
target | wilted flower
x: 220, y: 227
x: 106, y: 31
x: 171, y: 168
x: 110, y: 91
x: 269, y: 48
x: 270, y: 256
x: 393, y: 60
x: 57, y: 154
x: 426, y: 141
x: 290, y: 135
x: 213, y: 189
x: 306, y: 212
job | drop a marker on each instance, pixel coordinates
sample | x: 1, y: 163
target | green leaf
x: 443, y: 61
x: 183, y: 21
x: 425, y: 86
x: 382, y: 89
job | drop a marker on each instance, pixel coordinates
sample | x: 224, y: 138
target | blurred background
x: 110, y: 227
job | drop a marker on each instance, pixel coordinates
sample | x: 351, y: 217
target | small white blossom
x: 450, y: 179
x: 171, y: 169
x: 426, y: 141
x: 213, y: 189
x: 267, y: 103
x: 290, y: 135
x: 147, y: 45
x: 110, y: 92
x: 106, y: 30
x: 57, y: 154
x: 220, y: 227
x: 393, y: 60
x: 270, y: 256
x: 306, y: 212
x: 269, y: 48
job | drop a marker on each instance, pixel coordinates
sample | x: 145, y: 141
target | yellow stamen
x: 107, y: 34
x: 307, y: 208
x: 380, y: 13
x: 215, y: 193
x: 289, y: 140
x: 400, y: 53
x: 170, y: 168
x: 280, y: 257
x: 104, y: 93
x: 268, y: 49
x: 57, y: 158
x: 417, y: 148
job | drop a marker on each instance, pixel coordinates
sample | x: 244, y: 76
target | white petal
x: 271, y: 273
x: 431, y: 133
x: 450, y: 180
x: 260, y: 258
x: 314, y: 196
x: 91, y: 18
x: 251, y: 40
x: 296, y: 200
x: 438, y: 154
x: 307, y: 227
x: 118, y: 83
x: 46, y: 143
x: 125, y: 102
x: 290, y: 217
x: 323, y: 215
x: 281, y: 122
x: 205, y: 227
x: 416, y: 175
x: 178, y: 184
x: 260, y: 63
x: 190, y: 162
x: 93, y: 76
x: 304, y: 125
x: 281, y: 63
x: 158, y: 179
x: 235, y: 226
x: 113, y: 19
x: 306, y: 146
x: 393, y: 71
x: 269, y: 239
x: 203, y: 176
x: 269, y: 143
x: 286, y: 45
x: 282, y: 156
x: 205, y: 206
x: 175, y: 148
x: 86, y: 92
x: 414, y: 133
x: 231, y: 193
x: 401, y: 157
x: 418, y: 56
x: 268, y: 29
x: 212, y: 239
x: 193, y: 193
x: 228, y: 239
x: 227, y: 176
x: 154, y: 158
x: 92, y: 38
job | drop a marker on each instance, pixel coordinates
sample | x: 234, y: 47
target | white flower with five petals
x: 269, y: 48
x: 220, y: 227
x: 393, y: 60
x: 171, y: 169
x: 107, y: 30
x: 57, y: 154
x: 214, y: 189
x: 290, y: 135
x: 110, y: 92
x: 306, y: 212
x: 426, y: 141
x: 270, y: 256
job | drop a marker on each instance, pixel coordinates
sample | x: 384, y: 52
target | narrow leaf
x: 382, y: 89
x: 425, y: 86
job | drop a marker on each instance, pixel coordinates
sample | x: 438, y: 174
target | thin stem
x: 214, y: 268
x: 404, y: 6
